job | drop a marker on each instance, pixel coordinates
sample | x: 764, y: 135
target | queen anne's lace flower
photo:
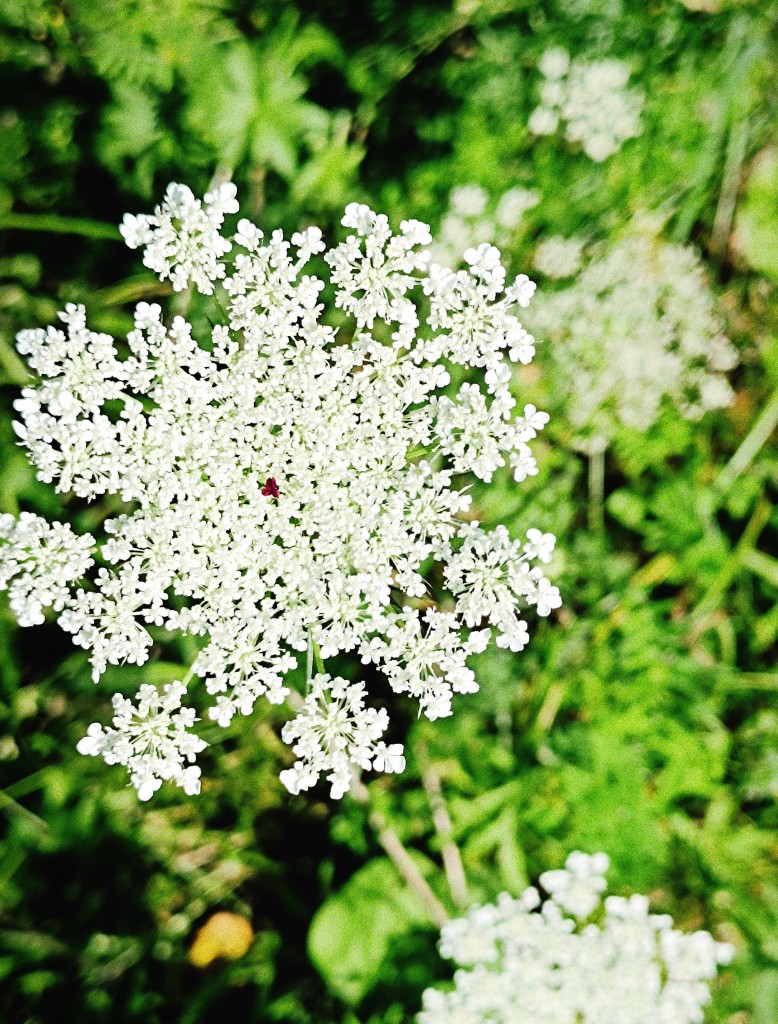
x: 182, y: 240
x: 37, y: 562
x: 590, y: 99
x: 637, y: 326
x: 335, y: 731
x: 286, y: 485
x: 152, y: 740
x: 523, y: 961
x: 577, y: 888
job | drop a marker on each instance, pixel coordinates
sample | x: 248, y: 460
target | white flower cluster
x: 182, y: 240
x: 533, y: 961
x: 472, y: 217
x: 558, y: 257
x: 637, y: 326
x: 152, y: 740
x: 37, y: 562
x: 287, y: 484
x: 335, y: 731
x: 590, y: 99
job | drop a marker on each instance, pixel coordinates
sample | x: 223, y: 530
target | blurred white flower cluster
x: 558, y: 257
x: 287, y: 482
x: 590, y: 99
x: 636, y: 327
x: 534, y: 961
x: 472, y: 217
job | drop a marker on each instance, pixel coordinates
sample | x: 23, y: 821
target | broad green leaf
x: 355, y: 929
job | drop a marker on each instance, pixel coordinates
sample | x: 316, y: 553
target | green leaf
x: 627, y: 508
x: 756, y: 226
x: 223, y: 99
x: 356, y: 928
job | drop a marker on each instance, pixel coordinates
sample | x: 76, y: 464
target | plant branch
x: 725, y: 211
x: 596, y: 489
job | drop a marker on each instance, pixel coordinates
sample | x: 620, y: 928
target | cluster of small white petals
x: 636, y: 327
x: 472, y: 217
x: 181, y: 239
x: 287, y: 484
x: 578, y: 887
x: 590, y: 99
x: 38, y: 560
x: 558, y: 257
x: 492, y: 576
x: 152, y: 740
x: 525, y: 961
x: 336, y: 733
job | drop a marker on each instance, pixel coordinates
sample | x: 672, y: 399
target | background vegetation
x: 642, y: 720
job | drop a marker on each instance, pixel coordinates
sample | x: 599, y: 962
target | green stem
x: 318, y: 658
x: 132, y: 290
x: 733, y: 563
x: 189, y: 674
x: 309, y: 663
x: 733, y: 167
x: 450, y: 853
x: 396, y: 852
x: 221, y: 309
x: 7, y: 803
x: 596, y: 490
x: 748, y: 450
x: 53, y: 223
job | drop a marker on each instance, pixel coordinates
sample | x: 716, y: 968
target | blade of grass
x: 750, y: 447
x: 53, y: 223
x: 734, y: 562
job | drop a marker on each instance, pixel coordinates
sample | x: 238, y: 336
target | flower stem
x: 452, y: 858
x: 309, y: 663
x: 596, y: 489
x: 189, y: 674
x: 399, y: 856
x: 318, y: 658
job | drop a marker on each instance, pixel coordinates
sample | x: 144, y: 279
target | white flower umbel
x: 286, y: 484
x: 37, y: 562
x: 637, y: 327
x: 590, y: 99
x: 524, y: 961
x: 182, y: 239
x: 558, y: 257
x: 334, y: 732
x: 151, y: 739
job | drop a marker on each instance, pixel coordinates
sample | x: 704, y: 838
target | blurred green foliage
x: 642, y: 721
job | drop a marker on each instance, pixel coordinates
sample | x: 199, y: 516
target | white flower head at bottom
x: 151, y: 739
x: 335, y: 733
x: 525, y: 961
